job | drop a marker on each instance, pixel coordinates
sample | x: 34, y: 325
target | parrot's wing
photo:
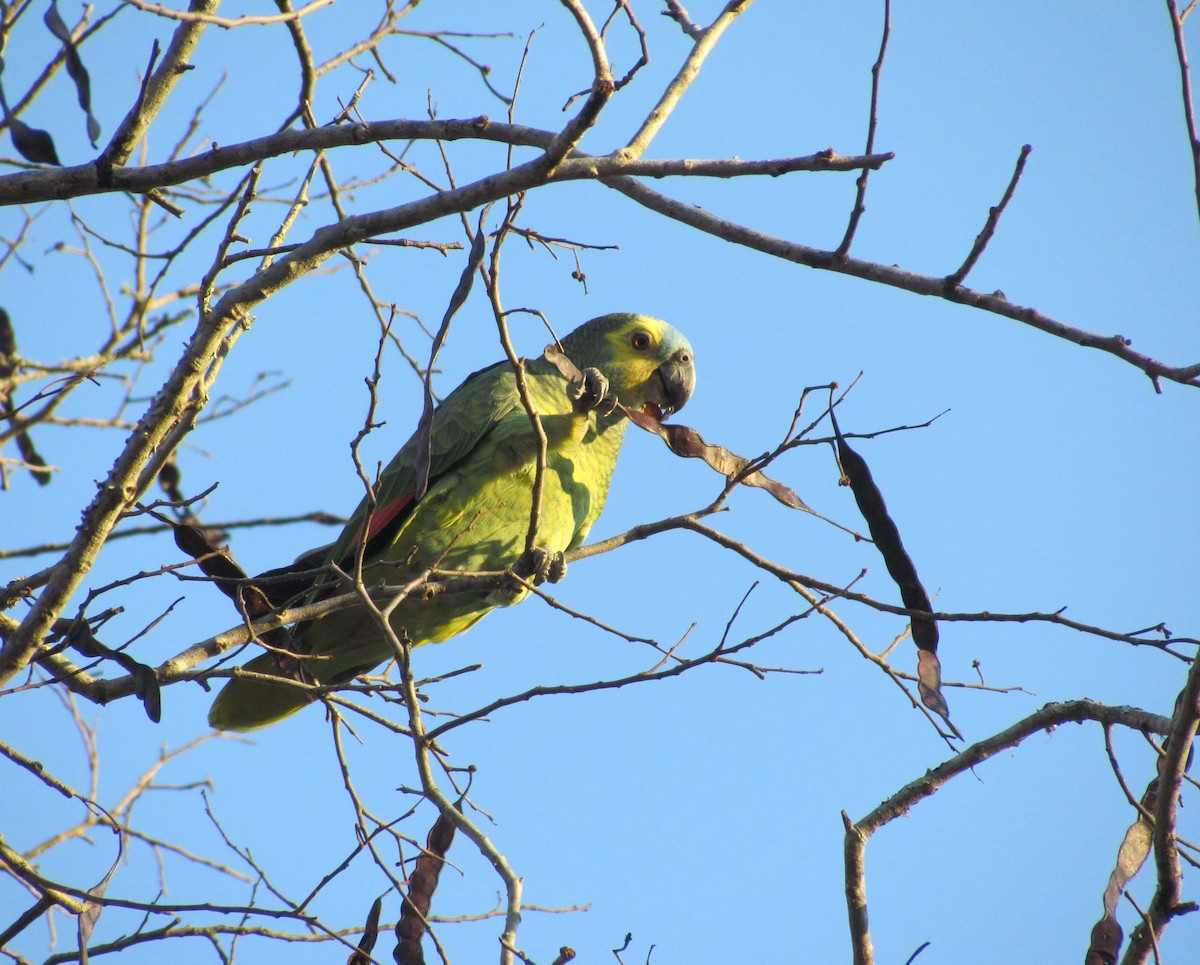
x: 461, y: 423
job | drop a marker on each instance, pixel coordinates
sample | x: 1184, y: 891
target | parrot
x: 474, y: 511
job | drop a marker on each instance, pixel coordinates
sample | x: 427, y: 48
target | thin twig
x: 989, y: 228
x: 860, y: 199
x: 1185, y: 81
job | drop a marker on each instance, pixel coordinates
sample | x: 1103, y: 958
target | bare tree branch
x: 859, y: 832
x: 996, y: 302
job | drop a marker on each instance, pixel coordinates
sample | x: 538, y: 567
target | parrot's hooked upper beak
x: 671, y: 385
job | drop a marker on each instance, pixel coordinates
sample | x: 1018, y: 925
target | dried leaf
x: 687, y: 442
x: 146, y: 687
x: 8, y: 346
x: 33, y: 458
x: 32, y: 143
x: 1106, y: 942
x: 1135, y: 848
x: 75, y: 69
x: 214, y: 560
x: 362, y: 955
x: 566, y: 368
x: 169, y: 478
x: 1132, y: 854
x: 92, y: 910
x: 8, y: 368
x: 217, y: 562
x: 929, y: 683
x: 457, y: 300
x: 421, y: 885
x: 900, y: 565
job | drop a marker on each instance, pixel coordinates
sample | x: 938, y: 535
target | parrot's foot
x: 557, y: 568
x: 592, y: 393
x: 538, y: 565
x: 541, y: 565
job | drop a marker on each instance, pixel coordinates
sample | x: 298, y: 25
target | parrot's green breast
x: 476, y: 518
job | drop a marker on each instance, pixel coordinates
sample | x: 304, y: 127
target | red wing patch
x: 384, y: 518
x: 384, y: 515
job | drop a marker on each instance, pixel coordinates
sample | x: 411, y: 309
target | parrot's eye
x: 640, y: 340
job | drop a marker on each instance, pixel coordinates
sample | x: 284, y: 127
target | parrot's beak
x: 672, y: 384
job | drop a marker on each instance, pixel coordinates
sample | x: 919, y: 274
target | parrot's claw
x: 557, y: 569
x: 285, y: 652
x: 592, y: 393
x: 540, y: 565
x: 536, y: 566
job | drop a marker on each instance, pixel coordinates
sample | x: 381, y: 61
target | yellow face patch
x: 636, y: 350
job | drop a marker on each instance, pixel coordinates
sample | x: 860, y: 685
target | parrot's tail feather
x: 247, y: 704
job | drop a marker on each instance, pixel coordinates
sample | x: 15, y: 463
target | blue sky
x: 700, y: 814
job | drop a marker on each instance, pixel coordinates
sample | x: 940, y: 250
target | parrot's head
x: 649, y: 365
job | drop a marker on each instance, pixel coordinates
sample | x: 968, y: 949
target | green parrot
x: 474, y: 513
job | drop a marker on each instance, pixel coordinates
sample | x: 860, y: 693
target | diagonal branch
x: 204, y: 15
x: 705, y: 39
x: 989, y: 228
x: 1185, y: 80
x: 860, y: 200
x: 31, y: 186
x: 156, y: 89
x: 896, y: 277
x: 602, y: 90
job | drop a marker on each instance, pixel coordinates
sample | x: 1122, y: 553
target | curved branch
x: 705, y: 39
x: 913, y: 793
x: 1176, y: 757
x: 205, y: 15
x: 937, y: 286
x: 692, y: 521
x: 32, y: 186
